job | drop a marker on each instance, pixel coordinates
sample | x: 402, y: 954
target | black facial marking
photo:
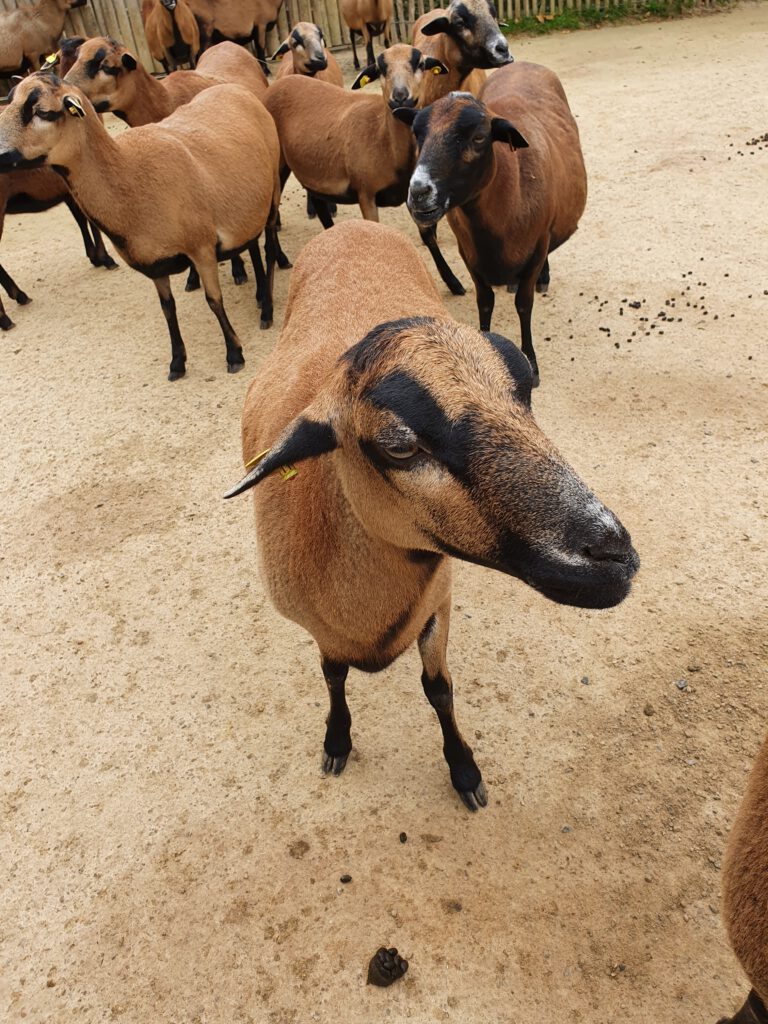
x: 297, y: 37
x: 415, y: 59
x: 517, y: 364
x: 382, y: 66
x: 28, y: 110
x: 92, y: 66
x: 366, y: 354
x: 113, y: 72
x: 463, y: 16
x: 50, y: 115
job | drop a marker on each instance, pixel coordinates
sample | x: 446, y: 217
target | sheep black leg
x: 208, y: 269
x: 485, y: 302
x: 239, y: 275
x: 338, y: 740
x: 524, y: 307
x: 542, y: 282
x: 168, y: 304
x: 271, y: 247
x: 369, y: 47
x: 94, y: 246
x: 193, y: 279
x: 13, y: 290
x: 436, y: 680
x: 323, y: 212
x: 429, y: 238
x: 258, y: 269
x: 752, y: 1012
x: 352, y: 34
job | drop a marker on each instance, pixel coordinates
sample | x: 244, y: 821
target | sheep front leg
x: 338, y: 740
x: 438, y: 687
x: 368, y: 207
x: 208, y: 269
x: 429, y: 238
x: 168, y: 304
x: 752, y: 1012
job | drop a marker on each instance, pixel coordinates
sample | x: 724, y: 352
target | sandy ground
x: 170, y: 850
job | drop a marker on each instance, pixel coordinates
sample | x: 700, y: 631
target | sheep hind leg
x: 239, y: 275
x: 94, y: 246
x: 323, y: 211
x: 526, y: 287
x: 178, y: 352
x: 429, y: 238
x: 352, y: 33
x: 438, y: 688
x: 13, y: 290
x: 271, y: 248
x: 752, y: 1012
x: 338, y: 739
x: 208, y: 269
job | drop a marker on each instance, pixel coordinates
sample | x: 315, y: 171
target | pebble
x: 681, y: 684
x: 585, y: 680
x: 649, y: 710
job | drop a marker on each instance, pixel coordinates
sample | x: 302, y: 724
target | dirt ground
x: 170, y: 849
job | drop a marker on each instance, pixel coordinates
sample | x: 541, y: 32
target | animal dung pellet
x: 345, y: 879
x: 403, y: 837
x: 386, y: 966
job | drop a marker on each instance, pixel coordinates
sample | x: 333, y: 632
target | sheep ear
x: 129, y: 62
x: 369, y: 74
x: 405, y: 114
x: 281, y: 51
x: 435, y: 66
x: 73, y: 106
x: 304, y: 438
x: 503, y: 131
x: 434, y: 27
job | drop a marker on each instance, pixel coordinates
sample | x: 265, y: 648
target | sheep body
x: 172, y: 32
x: 29, y: 33
x: 367, y: 18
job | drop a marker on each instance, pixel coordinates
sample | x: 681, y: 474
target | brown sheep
x: 304, y: 53
x: 29, y: 34
x: 172, y: 32
x: 745, y: 892
x: 238, y: 21
x: 346, y: 147
x: 198, y: 187
x: 435, y: 453
x: 367, y: 18
x: 509, y: 205
x: 265, y: 14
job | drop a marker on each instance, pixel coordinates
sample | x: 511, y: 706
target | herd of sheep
x: 408, y: 435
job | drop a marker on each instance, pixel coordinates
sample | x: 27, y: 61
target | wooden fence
x: 121, y: 19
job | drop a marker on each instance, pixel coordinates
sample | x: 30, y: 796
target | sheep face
x: 35, y: 127
x: 455, y: 137
x: 437, y: 451
x: 103, y: 71
x: 307, y: 45
x: 474, y: 28
x: 401, y: 69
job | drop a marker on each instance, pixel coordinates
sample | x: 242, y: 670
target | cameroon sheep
x: 172, y: 32
x: 435, y: 453
x: 367, y: 18
x: 238, y: 21
x: 112, y: 79
x: 198, y: 187
x: 304, y: 53
x: 347, y: 148
x: 509, y: 205
x: 265, y: 14
x: 745, y: 892
x: 30, y: 33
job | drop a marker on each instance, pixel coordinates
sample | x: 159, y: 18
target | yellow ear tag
x: 50, y: 61
x: 364, y: 81
x: 437, y: 71
x: 286, y: 472
x: 73, y: 106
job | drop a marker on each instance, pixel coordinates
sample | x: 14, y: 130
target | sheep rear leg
x: 323, y: 211
x: 526, y: 287
x: 438, y: 688
x: 208, y: 269
x: 752, y: 1012
x: 429, y: 238
x: 352, y: 33
x: 239, y: 275
x: 338, y: 739
x: 13, y: 290
x: 271, y: 249
x: 178, y: 352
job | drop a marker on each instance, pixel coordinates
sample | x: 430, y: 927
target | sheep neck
x: 151, y: 101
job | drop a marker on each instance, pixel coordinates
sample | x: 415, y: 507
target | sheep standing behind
x: 745, y: 892
x: 367, y: 18
x: 172, y: 32
x: 198, y: 187
x: 304, y: 53
x: 509, y: 176
x: 29, y: 34
x: 423, y: 446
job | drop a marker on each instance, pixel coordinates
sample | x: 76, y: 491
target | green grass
x: 570, y: 20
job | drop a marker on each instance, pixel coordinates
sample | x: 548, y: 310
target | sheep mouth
x: 584, y: 595
x: 408, y: 104
x: 12, y: 160
x: 426, y: 215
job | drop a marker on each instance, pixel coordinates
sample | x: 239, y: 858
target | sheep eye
x: 402, y: 453
x: 478, y: 140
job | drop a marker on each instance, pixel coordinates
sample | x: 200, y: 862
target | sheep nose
x: 611, y: 543
x: 400, y: 95
x: 501, y: 50
x: 420, y: 190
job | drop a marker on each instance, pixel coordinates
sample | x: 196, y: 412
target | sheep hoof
x: 512, y: 288
x: 6, y: 324
x: 283, y: 262
x: 385, y: 967
x: 235, y: 367
x: 456, y: 287
x: 22, y: 299
x: 265, y: 324
x: 334, y: 765
x: 177, y: 374
x: 475, y: 798
x: 108, y: 263
x: 542, y: 287
x: 240, y: 278
x: 536, y: 379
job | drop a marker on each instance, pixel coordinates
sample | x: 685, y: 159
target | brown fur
x: 524, y: 202
x: 294, y: 61
x: 29, y: 33
x: 354, y: 552
x: 142, y: 99
x: 335, y: 141
x: 164, y: 192
x: 367, y: 18
x: 444, y: 49
x: 745, y: 879
x: 159, y: 29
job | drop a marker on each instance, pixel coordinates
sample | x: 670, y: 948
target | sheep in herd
x: 198, y: 187
x: 745, y: 892
x: 510, y: 204
x: 348, y: 148
x: 264, y: 20
x: 238, y: 21
x: 304, y: 53
x: 113, y: 80
x: 172, y: 32
x: 367, y: 18
x: 29, y: 34
x: 430, y: 451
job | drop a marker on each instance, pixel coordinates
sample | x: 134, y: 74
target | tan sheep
x: 198, y: 187
x: 172, y: 32
x: 29, y: 34
x: 367, y: 18
x: 304, y: 53
x: 422, y: 446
